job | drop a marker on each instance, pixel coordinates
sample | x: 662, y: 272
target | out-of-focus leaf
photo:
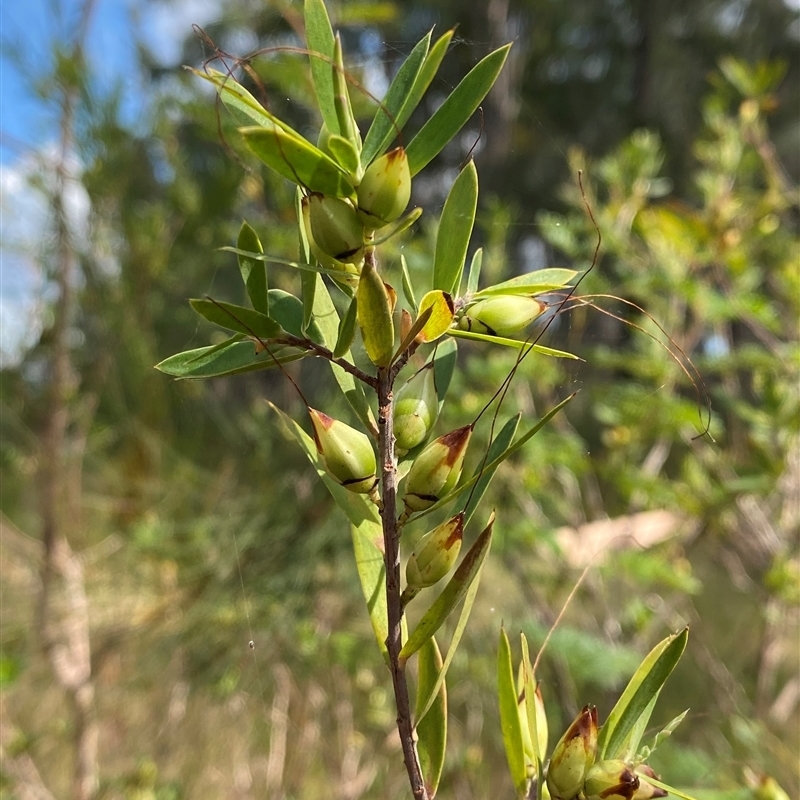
x: 366, y: 531
x: 542, y: 280
x: 237, y: 318
x: 347, y: 330
x: 290, y: 155
x: 475, y: 271
x: 499, y: 445
x: 519, y: 344
x: 441, y: 316
x: 432, y: 730
x: 455, y: 229
x: 386, y: 125
x: 529, y: 692
x: 320, y: 41
x: 509, y: 716
x: 450, y: 117
x: 636, y: 701
x: 254, y: 273
x: 233, y: 357
x: 468, y: 571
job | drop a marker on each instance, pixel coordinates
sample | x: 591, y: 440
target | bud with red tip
x: 435, y: 554
x: 347, y: 454
x: 385, y: 189
x: 435, y: 472
x: 573, y: 756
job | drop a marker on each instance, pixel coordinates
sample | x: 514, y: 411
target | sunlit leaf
x: 432, y: 729
x: 509, y: 716
x: 475, y: 271
x: 519, y: 344
x: 441, y: 315
x: 320, y: 41
x: 468, y: 571
x: 450, y: 117
x: 542, y: 280
x: 408, y: 287
x: 455, y: 230
x: 375, y: 316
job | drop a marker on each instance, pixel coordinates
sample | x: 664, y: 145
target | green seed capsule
x: 610, y: 780
x: 573, y: 755
x: 336, y: 228
x: 385, y: 189
x: 436, y: 470
x: 347, y: 454
x: 435, y: 554
x: 502, y: 315
x: 416, y: 407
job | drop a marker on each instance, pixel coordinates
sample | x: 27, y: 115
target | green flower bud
x: 375, y: 304
x: 573, y: 755
x: 347, y: 453
x: 501, y: 315
x: 610, y: 780
x: 646, y: 790
x: 435, y: 554
x: 349, y: 272
x: 385, y: 189
x: 336, y: 228
x: 436, y: 470
x: 416, y: 407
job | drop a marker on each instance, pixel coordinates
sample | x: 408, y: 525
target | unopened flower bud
x: 349, y: 271
x: 573, y: 755
x: 610, y: 780
x: 385, y: 189
x: 335, y: 228
x: 435, y: 554
x: 502, y: 315
x: 416, y: 407
x: 436, y: 470
x: 347, y: 454
x: 647, y: 790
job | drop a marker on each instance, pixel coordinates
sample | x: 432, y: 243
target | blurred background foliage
x: 200, y: 527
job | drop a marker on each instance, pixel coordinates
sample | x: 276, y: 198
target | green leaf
x: 455, y: 230
x: 432, y: 730
x: 287, y: 310
x: 366, y: 530
x: 529, y: 690
x: 641, y: 690
x: 386, y: 125
x: 499, y: 445
x: 308, y: 288
x: 671, y: 790
x: 347, y: 330
x: 469, y: 570
x: 444, y: 365
x: 287, y: 262
x: 458, y: 632
x: 345, y: 153
x: 408, y: 287
x: 232, y: 357
x: 475, y: 271
x: 237, y: 318
x: 402, y: 224
x: 450, y: 117
x: 441, y: 317
x: 290, y: 155
x: 541, y: 280
x: 509, y: 716
x: 500, y: 459
x: 519, y: 344
x: 426, y: 75
x: 327, y: 321
x: 320, y: 41
x: 341, y: 98
x: 254, y: 273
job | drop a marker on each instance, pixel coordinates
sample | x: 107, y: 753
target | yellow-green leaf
x: 432, y: 729
x: 441, y: 315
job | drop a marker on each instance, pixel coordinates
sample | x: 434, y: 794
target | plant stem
x: 391, y: 540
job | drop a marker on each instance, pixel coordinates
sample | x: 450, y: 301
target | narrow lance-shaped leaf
x: 640, y: 691
x: 341, y: 98
x: 475, y: 271
x: 444, y: 361
x: 298, y: 160
x: 455, y: 230
x: 366, y: 530
x: 320, y: 41
x: 450, y: 117
x: 308, y: 280
x: 537, y: 282
x: 468, y: 571
x: 347, y: 330
x: 237, y: 318
x: 254, y: 273
x: 509, y: 716
x: 499, y: 444
x: 408, y: 287
x: 432, y: 730
x: 385, y: 125
x: 538, y: 738
x: 518, y: 344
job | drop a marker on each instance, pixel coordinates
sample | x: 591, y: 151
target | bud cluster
x: 574, y: 771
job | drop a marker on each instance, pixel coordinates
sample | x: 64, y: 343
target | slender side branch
x: 323, y: 352
x: 391, y: 539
